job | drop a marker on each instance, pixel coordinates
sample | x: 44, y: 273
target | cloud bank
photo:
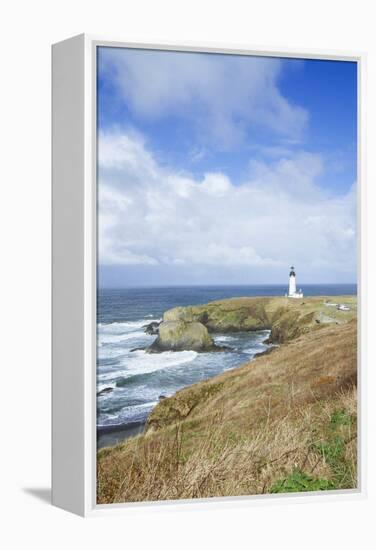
x: 226, y: 98
x: 152, y: 215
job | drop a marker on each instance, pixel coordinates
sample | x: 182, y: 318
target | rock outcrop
x: 285, y: 318
x: 189, y: 328
x: 224, y: 316
x: 152, y: 328
x: 181, y: 335
x: 104, y: 391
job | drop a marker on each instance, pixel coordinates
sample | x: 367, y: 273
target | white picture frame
x: 74, y: 275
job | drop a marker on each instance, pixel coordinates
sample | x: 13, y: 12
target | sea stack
x: 292, y: 285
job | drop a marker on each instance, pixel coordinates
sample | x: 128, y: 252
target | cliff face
x: 286, y: 318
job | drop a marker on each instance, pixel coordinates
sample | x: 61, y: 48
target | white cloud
x: 224, y: 96
x: 153, y: 216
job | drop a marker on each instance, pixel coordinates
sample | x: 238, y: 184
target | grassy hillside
x: 285, y: 317
x: 283, y: 422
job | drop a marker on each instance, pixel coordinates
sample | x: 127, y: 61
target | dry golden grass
x: 289, y: 375
x: 158, y: 468
x: 284, y: 422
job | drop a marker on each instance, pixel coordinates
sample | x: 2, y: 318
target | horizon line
x: 199, y: 285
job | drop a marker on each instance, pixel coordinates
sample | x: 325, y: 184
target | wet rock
x: 104, y: 391
x: 152, y: 328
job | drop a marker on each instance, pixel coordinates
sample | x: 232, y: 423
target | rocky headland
x: 191, y: 327
x: 282, y: 422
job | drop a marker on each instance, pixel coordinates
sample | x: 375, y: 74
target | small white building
x: 292, y: 285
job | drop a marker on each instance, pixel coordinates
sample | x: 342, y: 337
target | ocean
x: 134, y: 381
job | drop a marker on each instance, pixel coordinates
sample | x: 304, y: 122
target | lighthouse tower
x: 292, y: 285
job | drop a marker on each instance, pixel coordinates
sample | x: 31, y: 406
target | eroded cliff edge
x: 190, y: 327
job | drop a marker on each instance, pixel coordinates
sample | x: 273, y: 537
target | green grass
x: 340, y: 418
x: 333, y: 452
x: 299, y: 481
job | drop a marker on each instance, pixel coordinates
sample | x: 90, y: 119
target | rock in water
x: 180, y: 313
x: 105, y: 390
x: 182, y: 335
x: 152, y: 328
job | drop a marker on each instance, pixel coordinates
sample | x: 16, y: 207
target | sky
x: 222, y: 169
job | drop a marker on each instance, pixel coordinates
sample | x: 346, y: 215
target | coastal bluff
x: 190, y: 327
x: 285, y: 421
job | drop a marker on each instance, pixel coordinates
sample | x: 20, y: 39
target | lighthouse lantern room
x: 292, y: 285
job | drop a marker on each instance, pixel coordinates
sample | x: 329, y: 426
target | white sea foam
x: 106, y: 419
x: 140, y: 362
x: 225, y: 338
x: 124, y: 327
x: 252, y: 351
x: 120, y: 333
x: 117, y: 361
x: 104, y: 352
x: 142, y: 406
x: 126, y: 414
x: 108, y: 338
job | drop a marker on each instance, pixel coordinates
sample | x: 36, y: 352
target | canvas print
x: 227, y: 275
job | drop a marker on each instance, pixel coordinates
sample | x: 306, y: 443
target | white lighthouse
x: 292, y: 285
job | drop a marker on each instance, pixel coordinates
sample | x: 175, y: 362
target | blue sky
x: 216, y: 169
